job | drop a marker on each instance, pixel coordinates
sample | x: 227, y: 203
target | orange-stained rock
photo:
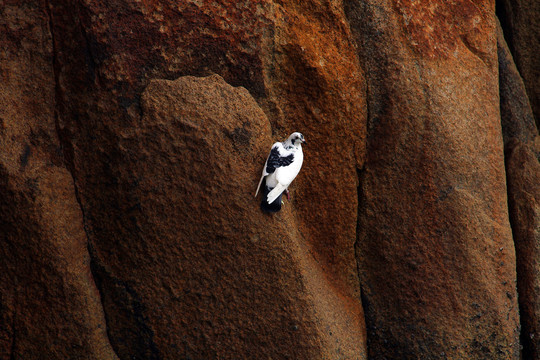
x: 301, y: 66
x: 49, y: 305
x: 522, y: 154
x: 294, y: 62
x: 435, y: 251
x: 315, y: 85
x: 132, y: 138
x: 197, y: 270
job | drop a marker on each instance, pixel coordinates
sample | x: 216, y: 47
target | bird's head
x: 296, y: 139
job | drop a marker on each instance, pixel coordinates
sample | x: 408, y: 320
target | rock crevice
x: 65, y: 144
x: 521, y: 140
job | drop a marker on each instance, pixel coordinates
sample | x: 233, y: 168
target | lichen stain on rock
x: 435, y: 28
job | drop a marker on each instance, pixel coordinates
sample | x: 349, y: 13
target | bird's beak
x: 304, y: 142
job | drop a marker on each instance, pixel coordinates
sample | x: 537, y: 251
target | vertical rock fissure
x: 360, y: 171
x: 363, y: 300
x: 359, y: 193
x: 523, y: 340
x: 68, y: 161
x: 517, y: 127
x: 502, y: 16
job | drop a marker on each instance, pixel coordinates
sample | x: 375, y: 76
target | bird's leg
x: 287, y: 194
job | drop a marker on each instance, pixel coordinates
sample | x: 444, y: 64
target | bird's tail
x: 275, y: 193
x: 259, y: 186
x: 274, y: 206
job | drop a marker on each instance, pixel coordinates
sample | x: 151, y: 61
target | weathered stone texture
x: 213, y: 276
x: 435, y: 251
x: 522, y: 151
x: 293, y: 63
x: 521, y: 24
x: 132, y: 136
x: 49, y: 305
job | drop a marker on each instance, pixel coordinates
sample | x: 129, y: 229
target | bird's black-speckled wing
x: 276, y: 160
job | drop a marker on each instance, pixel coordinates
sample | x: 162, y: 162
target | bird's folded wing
x: 277, y: 158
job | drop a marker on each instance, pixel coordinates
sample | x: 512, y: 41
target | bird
x: 280, y: 169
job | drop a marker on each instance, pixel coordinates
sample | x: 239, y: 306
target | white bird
x: 280, y: 169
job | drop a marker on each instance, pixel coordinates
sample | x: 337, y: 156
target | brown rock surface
x: 517, y: 119
x: 315, y: 83
x: 49, y: 304
x: 283, y: 54
x: 523, y: 176
x: 435, y: 251
x: 163, y: 156
x: 522, y: 150
x: 212, y: 276
x: 521, y: 24
x: 293, y: 60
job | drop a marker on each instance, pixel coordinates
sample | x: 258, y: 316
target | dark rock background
x: 133, y: 133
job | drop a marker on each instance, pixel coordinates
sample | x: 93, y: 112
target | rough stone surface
x: 522, y: 150
x: 316, y: 60
x: 435, y: 251
x: 132, y: 138
x: 521, y: 24
x: 523, y: 171
x: 213, y: 276
x: 517, y: 118
x: 293, y: 61
x: 49, y: 305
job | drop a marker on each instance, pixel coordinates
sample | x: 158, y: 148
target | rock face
x: 522, y: 148
x: 269, y: 52
x: 49, y: 304
x: 228, y: 277
x: 132, y: 136
x: 521, y: 23
x: 435, y: 250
